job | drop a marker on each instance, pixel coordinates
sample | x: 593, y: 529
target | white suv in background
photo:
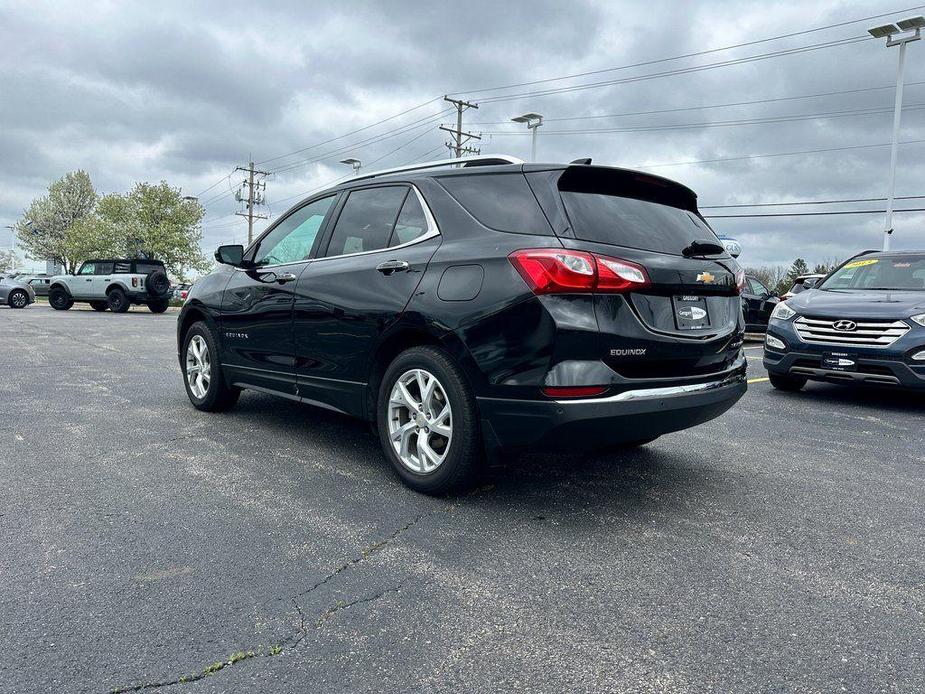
x: 113, y: 284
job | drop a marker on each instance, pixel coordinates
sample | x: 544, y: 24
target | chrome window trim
x: 432, y: 231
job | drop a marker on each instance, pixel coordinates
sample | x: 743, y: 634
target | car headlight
x: 920, y: 319
x: 783, y: 312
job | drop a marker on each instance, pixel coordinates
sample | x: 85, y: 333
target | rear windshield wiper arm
x: 703, y: 248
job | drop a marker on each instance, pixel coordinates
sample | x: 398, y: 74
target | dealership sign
x: 733, y: 247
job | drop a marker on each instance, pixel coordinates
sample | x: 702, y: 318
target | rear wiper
x: 703, y: 248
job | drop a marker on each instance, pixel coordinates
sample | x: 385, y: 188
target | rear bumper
x: 591, y: 423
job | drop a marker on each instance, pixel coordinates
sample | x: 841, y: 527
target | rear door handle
x: 390, y: 266
x: 285, y: 277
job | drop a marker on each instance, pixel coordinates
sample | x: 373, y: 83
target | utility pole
x: 255, y: 196
x: 460, y: 136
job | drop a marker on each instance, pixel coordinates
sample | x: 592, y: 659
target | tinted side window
x: 292, y: 239
x: 503, y: 202
x: 366, y: 222
x: 411, y: 221
x: 123, y: 267
x: 104, y: 268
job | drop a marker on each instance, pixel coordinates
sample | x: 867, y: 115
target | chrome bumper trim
x: 656, y: 393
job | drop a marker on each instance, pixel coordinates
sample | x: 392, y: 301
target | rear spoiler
x: 606, y: 180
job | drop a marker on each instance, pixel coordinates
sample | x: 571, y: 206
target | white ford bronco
x: 113, y: 284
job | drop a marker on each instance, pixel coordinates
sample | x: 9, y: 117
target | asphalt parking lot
x: 778, y: 548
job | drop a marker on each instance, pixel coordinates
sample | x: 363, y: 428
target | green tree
x: 8, y: 261
x: 799, y: 267
x: 156, y: 219
x: 44, y: 229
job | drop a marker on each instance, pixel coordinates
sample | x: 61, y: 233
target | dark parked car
x: 757, y: 304
x: 40, y: 285
x: 865, y: 323
x: 801, y: 284
x: 492, y: 305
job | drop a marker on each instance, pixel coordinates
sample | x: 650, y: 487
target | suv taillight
x: 740, y: 281
x: 134, y: 281
x: 562, y: 271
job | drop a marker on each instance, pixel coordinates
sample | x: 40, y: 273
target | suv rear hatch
x: 685, y: 320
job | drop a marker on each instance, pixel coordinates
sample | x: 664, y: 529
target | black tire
x: 117, y: 300
x: 157, y: 284
x: 59, y: 299
x: 99, y: 305
x: 789, y: 383
x: 18, y: 298
x: 465, y: 453
x: 220, y: 396
x: 159, y: 306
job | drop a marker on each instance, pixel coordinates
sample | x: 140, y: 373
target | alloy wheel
x: 198, y: 367
x: 420, y: 421
x: 19, y: 299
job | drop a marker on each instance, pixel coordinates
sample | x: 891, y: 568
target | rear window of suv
x: 632, y: 223
x: 503, y: 202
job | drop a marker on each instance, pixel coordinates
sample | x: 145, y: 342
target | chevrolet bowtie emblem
x: 706, y: 277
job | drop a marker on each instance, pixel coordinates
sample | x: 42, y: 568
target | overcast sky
x: 184, y: 91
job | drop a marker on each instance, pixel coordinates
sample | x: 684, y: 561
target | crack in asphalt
x: 303, y: 631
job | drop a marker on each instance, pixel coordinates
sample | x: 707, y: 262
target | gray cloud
x: 185, y: 91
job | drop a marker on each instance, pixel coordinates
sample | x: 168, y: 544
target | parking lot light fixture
x: 355, y: 163
x: 901, y: 34
x: 533, y: 121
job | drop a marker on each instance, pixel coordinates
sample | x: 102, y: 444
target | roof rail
x: 482, y: 160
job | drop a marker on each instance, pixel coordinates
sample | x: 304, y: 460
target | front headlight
x: 783, y: 312
x: 920, y: 319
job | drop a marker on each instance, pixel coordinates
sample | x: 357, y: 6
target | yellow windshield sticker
x: 862, y: 263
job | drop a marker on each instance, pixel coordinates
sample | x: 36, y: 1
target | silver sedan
x: 15, y: 294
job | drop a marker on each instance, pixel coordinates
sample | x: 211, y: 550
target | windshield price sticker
x: 862, y: 263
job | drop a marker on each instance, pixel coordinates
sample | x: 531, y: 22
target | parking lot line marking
x: 755, y: 347
x: 758, y: 380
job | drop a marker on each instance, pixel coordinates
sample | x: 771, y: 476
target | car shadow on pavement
x: 634, y: 480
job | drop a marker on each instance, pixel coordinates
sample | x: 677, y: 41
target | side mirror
x: 810, y: 283
x: 232, y: 254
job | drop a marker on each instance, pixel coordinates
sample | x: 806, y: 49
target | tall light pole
x: 533, y: 121
x: 914, y: 25
x: 355, y: 163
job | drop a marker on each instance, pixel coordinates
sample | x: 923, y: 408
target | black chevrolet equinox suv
x: 470, y: 308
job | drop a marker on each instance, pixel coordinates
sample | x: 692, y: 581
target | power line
x: 715, y: 124
x: 710, y: 106
x: 352, y: 132
x: 805, y: 214
x: 679, y: 71
x: 228, y: 176
x: 774, y: 154
x: 691, y: 55
x: 366, y: 142
x: 809, y: 202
